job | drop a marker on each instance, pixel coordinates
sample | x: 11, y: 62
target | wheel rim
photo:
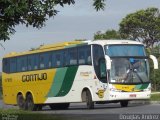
x: 20, y: 101
x: 30, y: 104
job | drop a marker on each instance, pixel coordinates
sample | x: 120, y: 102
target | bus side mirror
x: 108, y: 62
x: 155, y: 61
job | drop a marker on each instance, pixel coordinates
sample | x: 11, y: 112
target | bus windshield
x: 129, y: 70
x: 129, y: 64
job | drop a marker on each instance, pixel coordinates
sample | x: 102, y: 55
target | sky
x: 78, y: 21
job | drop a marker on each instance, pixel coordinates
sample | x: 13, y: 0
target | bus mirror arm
x: 155, y: 61
x: 108, y: 62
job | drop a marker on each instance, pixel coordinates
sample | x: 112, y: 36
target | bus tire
x: 124, y: 103
x: 29, y: 105
x: 89, y: 102
x: 20, y: 101
x: 59, y: 106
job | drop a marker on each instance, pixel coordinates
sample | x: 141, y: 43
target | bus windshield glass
x: 129, y: 64
x: 125, y: 50
x: 129, y: 70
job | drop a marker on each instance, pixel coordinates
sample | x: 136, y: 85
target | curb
x: 144, y: 102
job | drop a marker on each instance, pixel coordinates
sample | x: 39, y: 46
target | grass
x: 0, y: 95
x: 155, y: 97
x: 29, y: 115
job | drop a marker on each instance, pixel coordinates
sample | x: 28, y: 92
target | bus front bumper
x: 129, y: 95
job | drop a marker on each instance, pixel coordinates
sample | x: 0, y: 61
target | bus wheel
x: 124, y: 103
x: 30, y: 104
x: 90, y: 103
x: 20, y: 101
x: 59, y: 106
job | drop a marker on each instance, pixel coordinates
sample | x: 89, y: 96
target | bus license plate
x: 132, y: 95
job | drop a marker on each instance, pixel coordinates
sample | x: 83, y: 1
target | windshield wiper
x: 130, y: 73
x: 138, y: 76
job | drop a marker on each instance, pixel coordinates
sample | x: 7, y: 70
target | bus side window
x: 88, y: 55
x: 53, y: 59
x: 44, y: 60
x: 49, y: 60
x: 84, y: 55
x: 24, y: 63
x: 33, y: 61
x: 81, y: 55
x: 65, y: 57
x: 58, y: 59
x: 72, y: 52
x: 6, y: 65
x: 97, y: 55
x: 13, y: 65
x: 29, y: 63
x: 41, y: 61
x: 21, y: 64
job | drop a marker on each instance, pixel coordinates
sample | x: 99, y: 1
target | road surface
x: 105, y: 112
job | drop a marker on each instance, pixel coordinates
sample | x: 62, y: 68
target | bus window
x: 102, y: 67
x: 53, y: 59
x: 65, y: 57
x: 81, y: 55
x: 50, y: 60
x: 21, y: 63
x: 84, y: 55
x: 72, y: 52
x: 6, y: 65
x: 97, y: 55
x: 58, y: 59
x: 13, y: 65
x: 33, y: 62
x: 88, y: 55
x: 45, y: 61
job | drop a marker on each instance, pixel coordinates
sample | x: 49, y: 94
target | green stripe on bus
x: 68, y: 81
x: 137, y: 87
x: 57, y: 82
x: 144, y: 86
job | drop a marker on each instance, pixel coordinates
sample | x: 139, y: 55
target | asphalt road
x: 79, y: 111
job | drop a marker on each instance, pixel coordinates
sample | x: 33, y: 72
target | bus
x: 94, y: 72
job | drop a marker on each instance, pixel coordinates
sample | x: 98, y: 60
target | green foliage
x: 154, y: 74
x: 0, y: 86
x: 142, y: 25
x: 31, y: 13
x: 99, y: 4
x: 155, y: 97
x: 109, y: 34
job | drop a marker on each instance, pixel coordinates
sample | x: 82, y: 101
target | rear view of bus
x: 128, y: 71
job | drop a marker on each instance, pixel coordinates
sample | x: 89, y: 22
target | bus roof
x: 109, y: 42
x: 44, y: 48
x: 63, y: 45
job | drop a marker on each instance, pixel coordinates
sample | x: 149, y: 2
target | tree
x: 0, y: 85
x: 143, y: 26
x: 109, y: 34
x: 154, y: 74
x: 31, y: 13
